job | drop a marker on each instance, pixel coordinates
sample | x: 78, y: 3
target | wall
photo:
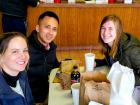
x: 79, y: 23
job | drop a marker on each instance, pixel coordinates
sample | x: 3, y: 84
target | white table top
x: 58, y: 96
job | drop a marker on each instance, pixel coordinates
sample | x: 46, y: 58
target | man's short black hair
x: 50, y: 14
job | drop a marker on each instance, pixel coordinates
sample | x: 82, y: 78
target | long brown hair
x: 119, y: 30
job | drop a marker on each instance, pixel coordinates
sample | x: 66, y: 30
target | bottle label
x: 73, y: 81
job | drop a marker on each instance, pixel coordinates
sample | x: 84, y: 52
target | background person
x: 42, y: 52
x: 120, y: 46
x: 14, y: 86
x: 14, y: 14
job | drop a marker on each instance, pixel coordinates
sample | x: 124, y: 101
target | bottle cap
x: 75, y: 66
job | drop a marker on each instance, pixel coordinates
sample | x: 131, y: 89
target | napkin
x: 94, y: 103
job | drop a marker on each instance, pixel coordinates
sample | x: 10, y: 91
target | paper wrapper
x: 63, y: 75
x: 65, y: 81
x: 98, y: 91
x: 67, y: 66
x: 85, y: 79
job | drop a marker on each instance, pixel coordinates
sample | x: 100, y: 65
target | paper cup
x: 75, y: 93
x: 89, y: 61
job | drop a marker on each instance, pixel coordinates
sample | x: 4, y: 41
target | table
x: 58, y: 96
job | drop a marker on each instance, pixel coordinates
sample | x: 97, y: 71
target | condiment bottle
x: 75, y: 75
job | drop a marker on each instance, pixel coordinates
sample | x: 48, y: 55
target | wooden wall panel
x: 68, y: 26
x: 86, y: 27
x: 79, y: 23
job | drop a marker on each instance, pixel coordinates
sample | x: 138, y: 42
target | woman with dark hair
x: 120, y: 46
x: 14, y: 86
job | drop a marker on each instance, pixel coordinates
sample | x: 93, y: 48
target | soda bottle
x: 75, y: 75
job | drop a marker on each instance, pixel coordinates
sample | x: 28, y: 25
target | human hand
x: 94, y: 64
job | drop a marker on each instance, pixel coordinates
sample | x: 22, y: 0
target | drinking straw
x: 90, y: 48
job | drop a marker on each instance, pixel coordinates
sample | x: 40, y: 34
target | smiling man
x: 42, y: 52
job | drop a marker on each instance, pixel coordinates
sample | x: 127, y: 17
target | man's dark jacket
x: 42, y: 61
